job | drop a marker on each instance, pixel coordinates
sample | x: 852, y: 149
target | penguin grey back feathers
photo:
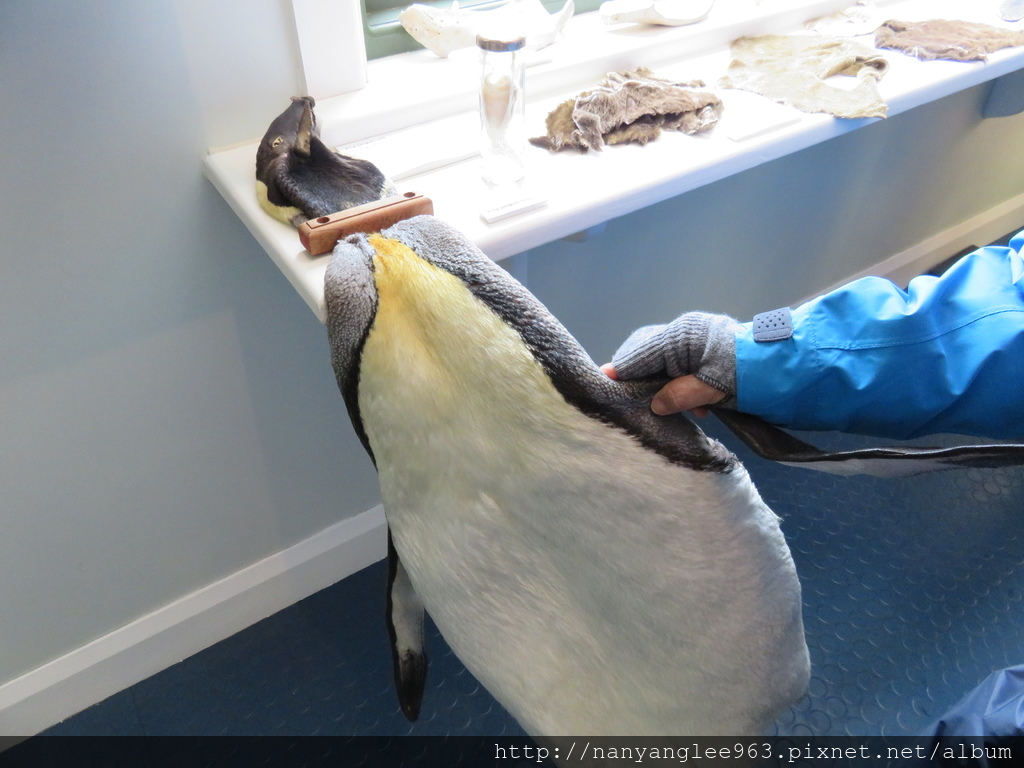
x: 599, y: 569
x: 574, y: 374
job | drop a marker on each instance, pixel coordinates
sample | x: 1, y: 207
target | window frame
x: 331, y: 45
x: 385, y: 36
x: 333, y: 38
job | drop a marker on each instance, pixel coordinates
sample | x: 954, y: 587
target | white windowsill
x: 585, y: 190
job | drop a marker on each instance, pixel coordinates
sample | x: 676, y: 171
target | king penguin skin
x: 599, y: 569
x: 298, y: 177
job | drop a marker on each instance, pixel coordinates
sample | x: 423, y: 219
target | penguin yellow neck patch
x: 283, y: 213
x: 438, y: 348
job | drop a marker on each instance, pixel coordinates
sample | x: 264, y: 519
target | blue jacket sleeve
x: 947, y: 355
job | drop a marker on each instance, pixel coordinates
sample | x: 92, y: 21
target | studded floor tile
x: 913, y: 592
x: 321, y: 667
x: 913, y: 589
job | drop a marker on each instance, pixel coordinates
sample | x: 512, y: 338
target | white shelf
x: 584, y: 190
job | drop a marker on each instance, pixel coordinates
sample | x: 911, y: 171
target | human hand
x: 685, y: 393
x: 697, y: 351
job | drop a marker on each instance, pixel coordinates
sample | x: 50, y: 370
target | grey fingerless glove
x: 695, y: 343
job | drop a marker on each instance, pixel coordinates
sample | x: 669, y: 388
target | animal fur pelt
x: 794, y: 70
x: 632, y: 106
x: 945, y: 39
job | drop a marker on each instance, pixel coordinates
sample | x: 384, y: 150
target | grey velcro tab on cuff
x: 773, y: 326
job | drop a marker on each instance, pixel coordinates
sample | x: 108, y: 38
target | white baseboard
x: 87, y: 675
x: 977, y: 230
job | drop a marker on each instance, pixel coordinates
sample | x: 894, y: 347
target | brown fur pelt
x: 632, y: 106
x: 942, y: 39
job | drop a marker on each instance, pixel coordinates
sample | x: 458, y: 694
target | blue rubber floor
x: 913, y: 593
x: 321, y: 667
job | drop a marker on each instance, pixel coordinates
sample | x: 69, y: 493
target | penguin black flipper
x: 405, y: 612
x: 405, y: 628
x: 770, y: 442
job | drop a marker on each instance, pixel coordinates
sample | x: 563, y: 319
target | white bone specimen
x: 671, y: 13
x: 445, y: 30
x: 1012, y: 10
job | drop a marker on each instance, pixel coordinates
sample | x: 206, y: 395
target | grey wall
x: 167, y: 410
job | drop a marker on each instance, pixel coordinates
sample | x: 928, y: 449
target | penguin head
x: 298, y: 177
x: 290, y: 131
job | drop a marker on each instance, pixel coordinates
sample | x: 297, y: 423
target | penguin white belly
x: 590, y: 584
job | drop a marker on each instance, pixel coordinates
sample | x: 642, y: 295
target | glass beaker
x: 502, y: 109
